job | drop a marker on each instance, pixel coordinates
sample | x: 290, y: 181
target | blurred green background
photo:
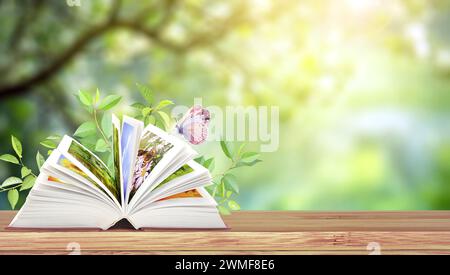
x: 363, y: 86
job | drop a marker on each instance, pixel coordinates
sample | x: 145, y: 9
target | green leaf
x: 146, y: 111
x: 145, y: 92
x: 230, y: 182
x: 150, y: 120
x: 223, y: 210
x: 110, y: 162
x: 11, y: 181
x: 48, y: 144
x: 51, y: 142
x: 200, y: 160
x: 9, y: 158
x: 25, y: 171
x: 226, y: 149
x: 228, y: 194
x: 101, y: 146
x: 163, y: 104
x: 240, y: 149
x: 55, y: 138
x: 247, y: 163
x: 165, y: 118
x: 13, y: 197
x: 106, y: 125
x: 233, y: 205
x: 88, y: 144
x: 139, y: 117
x: 85, y: 98
x: 28, y: 182
x: 86, y: 129
x: 17, y: 146
x: 138, y: 105
x: 160, y: 123
x: 39, y: 160
x: 210, y: 189
x: 97, y: 96
x: 209, y: 164
x: 249, y: 155
x: 109, y: 102
x: 49, y: 152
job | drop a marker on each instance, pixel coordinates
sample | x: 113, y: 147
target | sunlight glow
x: 364, y: 6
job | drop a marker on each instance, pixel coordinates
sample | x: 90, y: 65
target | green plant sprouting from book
x: 96, y: 135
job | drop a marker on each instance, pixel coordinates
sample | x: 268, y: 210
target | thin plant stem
x: 10, y: 188
x: 99, y: 128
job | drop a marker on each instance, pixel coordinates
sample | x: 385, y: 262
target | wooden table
x: 253, y: 232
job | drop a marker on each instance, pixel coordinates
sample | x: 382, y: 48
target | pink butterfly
x: 194, y: 125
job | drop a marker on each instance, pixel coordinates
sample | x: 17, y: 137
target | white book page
x: 179, y: 217
x: 198, y: 197
x: 56, y: 205
x: 156, y: 153
x: 190, y: 176
x: 129, y: 146
x: 69, y: 192
x: 191, y: 210
x: 117, y: 159
x: 61, y: 168
x: 79, y: 160
x: 184, y: 156
x: 53, y: 183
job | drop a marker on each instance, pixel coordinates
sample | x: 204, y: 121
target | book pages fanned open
x: 153, y: 182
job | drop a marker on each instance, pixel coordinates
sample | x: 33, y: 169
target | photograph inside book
x: 154, y: 183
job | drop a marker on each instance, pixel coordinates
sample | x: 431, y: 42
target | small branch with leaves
x: 225, y: 184
x: 151, y: 113
x: 13, y: 185
x: 101, y: 131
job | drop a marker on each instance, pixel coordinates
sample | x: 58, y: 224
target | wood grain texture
x: 253, y: 232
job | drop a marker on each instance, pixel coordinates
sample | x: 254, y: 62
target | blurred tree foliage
x: 363, y: 86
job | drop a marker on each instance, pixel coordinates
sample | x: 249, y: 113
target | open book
x: 154, y: 183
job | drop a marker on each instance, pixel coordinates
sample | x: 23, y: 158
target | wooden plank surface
x: 252, y: 232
